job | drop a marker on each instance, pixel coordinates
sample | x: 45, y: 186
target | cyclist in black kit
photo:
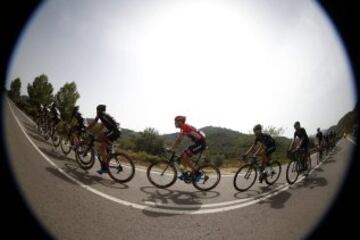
x: 265, y: 150
x: 319, y: 137
x: 79, y: 125
x: 300, y: 133
x: 106, y: 138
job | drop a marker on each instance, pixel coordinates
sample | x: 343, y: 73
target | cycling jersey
x: 109, y: 122
x: 301, y: 134
x: 191, y: 132
x: 265, y: 139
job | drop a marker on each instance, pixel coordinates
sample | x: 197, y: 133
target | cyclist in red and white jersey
x: 197, y: 136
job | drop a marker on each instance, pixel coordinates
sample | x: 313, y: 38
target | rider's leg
x: 264, y: 157
x: 102, y: 148
x: 184, y: 158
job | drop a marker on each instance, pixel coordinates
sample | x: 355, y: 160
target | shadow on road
x: 329, y: 159
x: 319, y: 169
x: 54, y: 154
x: 256, y: 190
x: 58, y: 174
x: 38, y: 138
x: 179, y: 200
x: 278, y: 201
x: 311, y: 182
x: 82, y: 176
x: 30, y: 127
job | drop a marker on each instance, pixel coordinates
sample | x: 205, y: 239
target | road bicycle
x: 246, y: 176
x: 164, y: 173
x: 69, y: 140
x: 299, y: 163
x: 119, y: 165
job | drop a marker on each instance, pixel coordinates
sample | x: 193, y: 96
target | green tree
x: 66, y: 99
x: 14, y: 92
x: 274, y: 131
x: 150, y: 141
x: 40, y: 91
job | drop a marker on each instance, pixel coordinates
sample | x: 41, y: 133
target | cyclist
x: 267, y: 147
x: 46, y: 116
x: 54, y: 115
x: 197, y: 137
x: 300, y: 133
x: 327, y: 142
x: 79, y: 125
x: 39, y: 113
x: 319, y: 137
x: 333, y: 138
x: 106, y: 138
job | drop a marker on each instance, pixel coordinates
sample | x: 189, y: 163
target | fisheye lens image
x: 177, y: 119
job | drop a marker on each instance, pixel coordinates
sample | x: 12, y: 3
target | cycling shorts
x: 196, y: 148
x: 270, y: 150
x: 112, y: 135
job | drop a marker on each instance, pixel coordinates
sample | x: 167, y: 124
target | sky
x: 226, y: 63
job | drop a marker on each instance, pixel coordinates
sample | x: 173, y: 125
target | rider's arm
x: 250, y: 149
x: 259, y: 149
x: 292, y: 143
x: 177, y: 141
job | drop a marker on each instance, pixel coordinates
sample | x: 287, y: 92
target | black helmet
x: 257, y: 127
x: 318, y: 129
x: 297, y: 124
x: 101, y: 108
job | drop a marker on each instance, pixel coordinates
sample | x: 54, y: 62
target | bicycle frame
x: 175, y: 159
x: 300, y: 158
x: 254, y: 162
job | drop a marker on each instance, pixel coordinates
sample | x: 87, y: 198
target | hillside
x: 348, y: 123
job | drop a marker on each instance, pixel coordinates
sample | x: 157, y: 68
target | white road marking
x: 200, y: 209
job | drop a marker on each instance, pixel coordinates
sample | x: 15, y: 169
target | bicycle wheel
x: 209, y: 178
x: 121, y: 167
x: 46, y: 132
x: 292, y: 171
x: 162, y: 174
x: 55, y: 138
x: 274, y: 174
x: 85, y: 155
x: 65, y: 145
x: 245, y: 177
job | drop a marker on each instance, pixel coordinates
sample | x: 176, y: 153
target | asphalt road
x: 74, y: 204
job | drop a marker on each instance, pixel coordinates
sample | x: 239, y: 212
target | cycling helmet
x: 180, y: 118
x: 297, y: 124
x: 101, y: 108
x: 257, y: 127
